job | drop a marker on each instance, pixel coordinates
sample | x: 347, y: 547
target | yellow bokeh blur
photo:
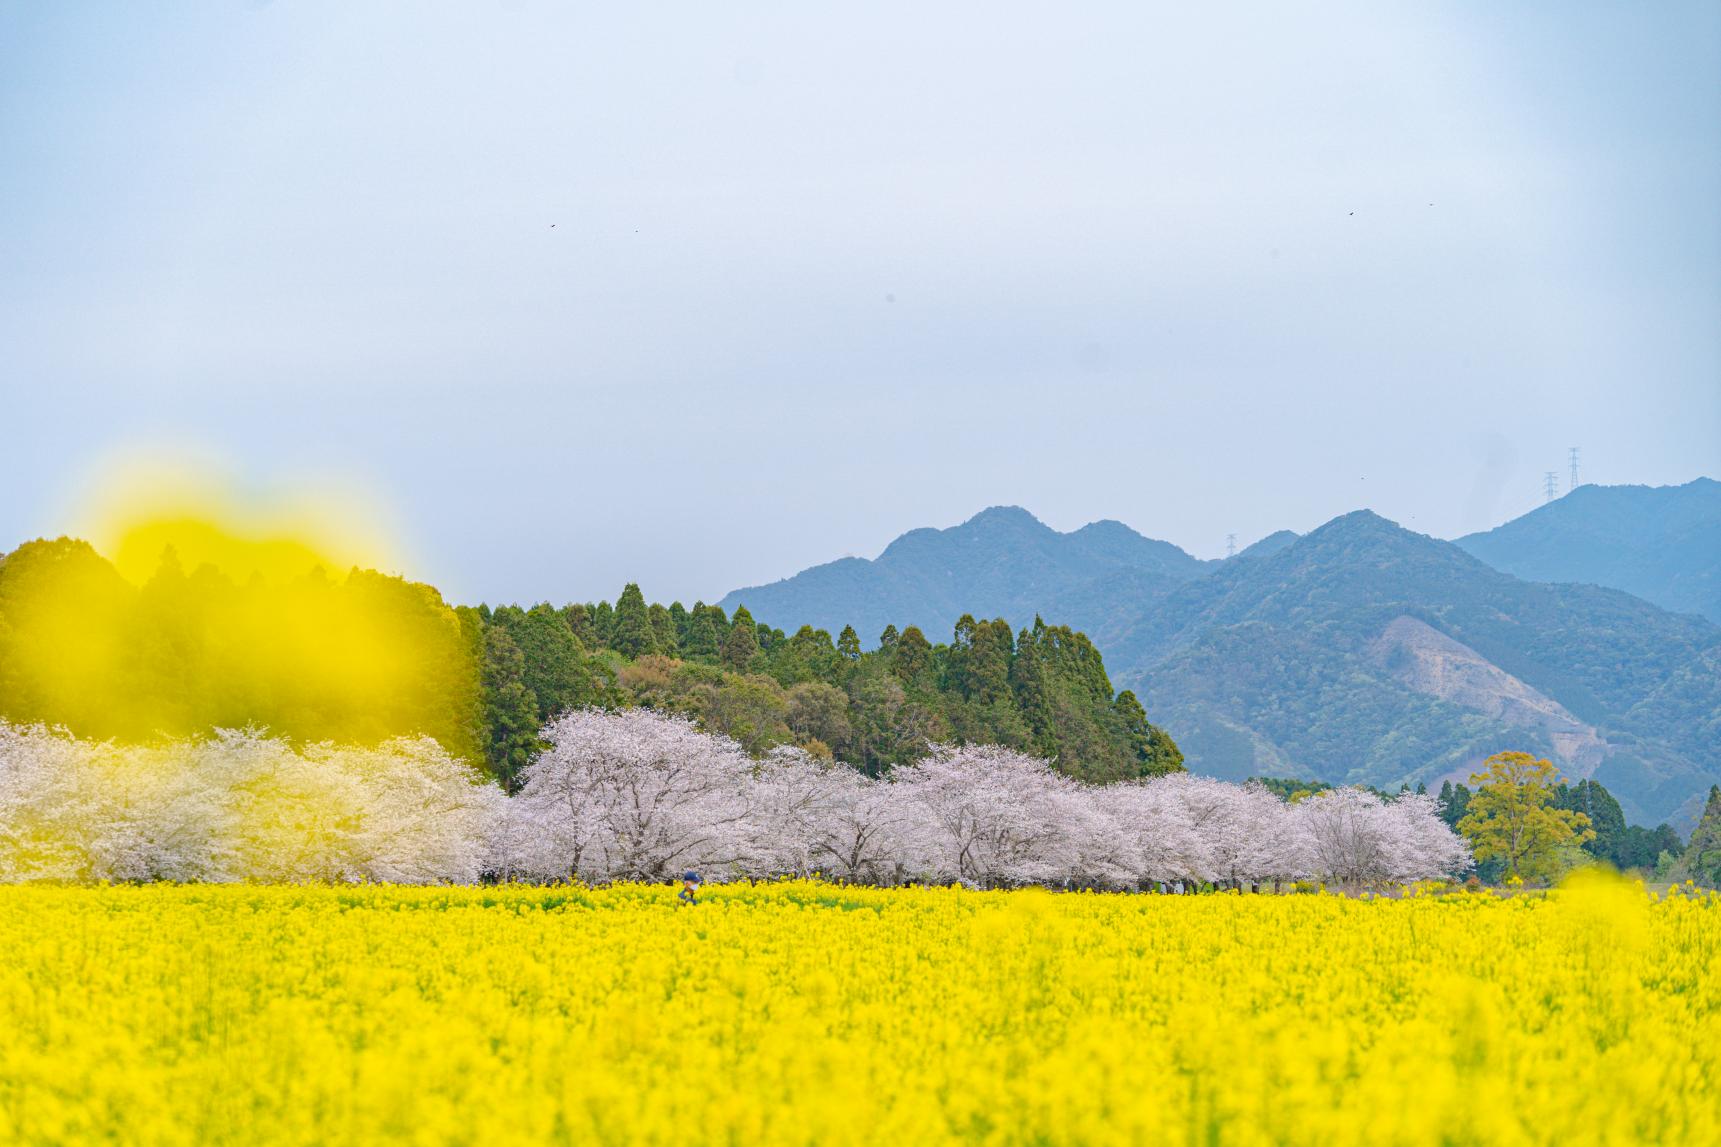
x: 802, y: 1013
x: 196, y: 611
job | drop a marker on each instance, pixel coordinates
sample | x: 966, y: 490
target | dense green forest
x: 1043, y: 689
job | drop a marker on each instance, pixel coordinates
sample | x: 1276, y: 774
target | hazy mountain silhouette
x: 1661, y: 543
x: 1002, y: 562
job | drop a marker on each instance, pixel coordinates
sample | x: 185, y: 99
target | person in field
x: 689, y: 893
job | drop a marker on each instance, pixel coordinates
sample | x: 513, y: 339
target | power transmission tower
x: 1551, y: 484
x: 1574, y: 485
x: 1230, y: 545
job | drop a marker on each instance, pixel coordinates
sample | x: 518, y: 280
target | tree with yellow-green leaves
x: 1513, y: 817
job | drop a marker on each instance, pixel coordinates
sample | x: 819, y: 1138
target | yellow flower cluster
x: 805, y: 1013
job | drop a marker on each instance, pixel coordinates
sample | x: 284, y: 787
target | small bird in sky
x: 552, y: 226
x: 1353, y: 212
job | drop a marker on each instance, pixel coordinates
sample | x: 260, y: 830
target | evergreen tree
x: 664, y: 636
x: 979, y: 666
x: 912, y: 657
x: 633, y: 635
x: 1033, y: 695
x: 887, y: 639
x: 1606, y: 818
x: 603, y: 624
x: 742, y: 644
x: 554, y: 667
x: 1453, y: 802
x: 704, y: 625
x: 1155, y: 752
x: 1702, y: 859
x: 848, y: 644
x: 510, y: 711
x: 579, y: 620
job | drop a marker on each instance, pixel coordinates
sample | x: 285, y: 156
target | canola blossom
x: 803, y: 1013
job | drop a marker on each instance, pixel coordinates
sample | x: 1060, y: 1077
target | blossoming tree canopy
x: 640, y: 795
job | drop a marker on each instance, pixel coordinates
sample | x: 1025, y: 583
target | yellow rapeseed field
x: 805, y: 1013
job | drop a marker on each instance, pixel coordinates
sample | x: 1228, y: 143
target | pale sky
x: 701, y: 294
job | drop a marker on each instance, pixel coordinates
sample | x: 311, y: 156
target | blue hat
x: 690, y: 875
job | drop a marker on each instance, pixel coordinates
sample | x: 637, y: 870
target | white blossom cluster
x: 639, y: 795
x: 240, y: 807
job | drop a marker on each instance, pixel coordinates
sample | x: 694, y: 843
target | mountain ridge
x: 1001, y: 562
x: 1660, y: 543
x: 1360, y: 651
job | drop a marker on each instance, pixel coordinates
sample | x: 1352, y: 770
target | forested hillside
x: 1366, y: 652
x: 1660, y: 543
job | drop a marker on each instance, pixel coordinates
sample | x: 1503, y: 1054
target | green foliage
x: 633, y: 634
x: 1044, y: 690
x: 741, y: 645
x: 1702, y: 859
x: 555, y: 670
x: 510, y: 709
x: 1513, y: 818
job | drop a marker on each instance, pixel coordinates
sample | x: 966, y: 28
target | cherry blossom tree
x: 1159, y: 839
x: 821, y: 817
x: 990, y: 816
x: 1427, y: 848
x: 635, y: 795
x: 239, y: 806
x: 639, y: 795
x: 1357, y: 840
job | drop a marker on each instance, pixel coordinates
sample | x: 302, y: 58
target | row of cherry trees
x: 638, y: 795
x: 642, y: 796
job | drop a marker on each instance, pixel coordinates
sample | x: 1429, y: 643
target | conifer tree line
x: 1043, y: 690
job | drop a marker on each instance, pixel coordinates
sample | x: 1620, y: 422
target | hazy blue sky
x: 822, y: 273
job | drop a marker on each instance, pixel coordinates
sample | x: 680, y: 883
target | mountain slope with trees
x: 1660, y: 543
x: 1365, y: 653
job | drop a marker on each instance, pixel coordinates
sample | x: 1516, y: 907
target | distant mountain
x: 1003, y: 562
x: 1269, y: 545
x: 1661, y: 543
x: 1365, y: 652
x: 1360, y: 652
